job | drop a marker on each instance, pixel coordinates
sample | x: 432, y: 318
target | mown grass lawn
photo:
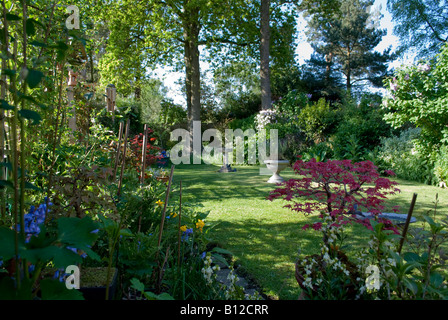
x: 263, y: 236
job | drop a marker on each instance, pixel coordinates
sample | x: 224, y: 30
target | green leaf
x: 9, y: 72
x: 77, y: 233
x: 7, y: 237
x: 30, y: 186
x: 7, y: 289
x: 126, y: 233
x: 5, y: 105
x: 34, y: 78
x: 30, y: 115
x: 411, y: 285
x: 436, y: 279
x: 30, y: 29
x: 6, y: 183
x: 152, y: 296
x: 411, y: 257
x: 12, y: 17
x: 221, y: 250
x: 137, y: 285
x: 37, y: 44
x: 63, y: 257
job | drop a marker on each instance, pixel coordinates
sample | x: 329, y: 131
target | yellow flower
x: 200, y: 224
x: 159, y: 203
x: 173, y: 214
x: 183, y: 228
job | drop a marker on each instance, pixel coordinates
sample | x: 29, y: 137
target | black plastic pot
x: 99, y: 293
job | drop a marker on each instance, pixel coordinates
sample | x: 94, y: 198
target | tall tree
x: 264, y: 55
x: 421, y: 25
x: 349, y: 37
x: 174, y: 32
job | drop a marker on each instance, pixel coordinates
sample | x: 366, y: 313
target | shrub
x: 361, y: 129
x: 317, y: 120
x: 419, y: 94
x: 404, y: 155
x: 417, y: 274
x: 441, y: 166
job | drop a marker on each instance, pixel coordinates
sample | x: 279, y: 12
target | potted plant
x: 333, y: 189
x: 93, y: 283
x: 162, y: 175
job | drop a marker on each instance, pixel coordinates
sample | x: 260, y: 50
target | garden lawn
x: 263, y: 236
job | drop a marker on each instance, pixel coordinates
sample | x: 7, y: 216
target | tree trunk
x: 264, y: 56
x: 349, y: 73
x: 192, y: 68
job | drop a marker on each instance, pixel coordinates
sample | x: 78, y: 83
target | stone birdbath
x: 276, y: 166
x: 226, y: 166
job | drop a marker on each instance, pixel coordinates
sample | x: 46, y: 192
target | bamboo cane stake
x: 168, y: 188
x: 120, y: 181
x: 180, y: 217
x: 145, y: 141
x: 117, y: 156
x: 408, y: 220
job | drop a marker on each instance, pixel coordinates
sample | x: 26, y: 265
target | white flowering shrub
x: 417, y: 274
x: 265, y: 117
x: 329, y: 275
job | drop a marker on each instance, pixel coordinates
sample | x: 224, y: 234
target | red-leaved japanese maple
x: 338, y: 188
x: 136, y: 144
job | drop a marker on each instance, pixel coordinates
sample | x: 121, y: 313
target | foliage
x: 421, y: 25
x: 418, y: 274
x: 152, y: 152
x: 418, y: 94
x: 404, y: 155
x: 317, y: 120
x: 441, y: 166
x: 83, y: 191
x: 44, y: 245
x: 330, y: 275
x: 349, y: 38
x: 360, y: 129
x: 337, y: 188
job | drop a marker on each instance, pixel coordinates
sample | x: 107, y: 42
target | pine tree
x: 349, y: 38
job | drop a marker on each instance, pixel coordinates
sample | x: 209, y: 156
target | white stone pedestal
x: 276, y: 166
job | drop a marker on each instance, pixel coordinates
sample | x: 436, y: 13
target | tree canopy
x: 421, y: 25
x: 348, y: 39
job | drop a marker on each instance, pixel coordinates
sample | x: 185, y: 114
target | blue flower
x: 186, y: 234
x: 78, y: 252
x: 33, y: 219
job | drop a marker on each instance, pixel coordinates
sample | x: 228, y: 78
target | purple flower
x: 394, y: 86
x: 424, y: 67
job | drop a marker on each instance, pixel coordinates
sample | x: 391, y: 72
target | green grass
x: 263, y: 236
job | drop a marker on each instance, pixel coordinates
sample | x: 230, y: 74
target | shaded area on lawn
x: 265, y: 237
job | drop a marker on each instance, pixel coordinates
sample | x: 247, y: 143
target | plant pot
x: 163, y: 179
x: 93, y: 283
x: 276, y: 166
